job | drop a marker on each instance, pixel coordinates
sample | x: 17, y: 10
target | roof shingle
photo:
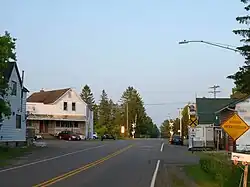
x: 47, y: 97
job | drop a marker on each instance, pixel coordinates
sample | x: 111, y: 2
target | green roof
x: 206, y: 108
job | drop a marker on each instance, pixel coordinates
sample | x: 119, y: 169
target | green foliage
x: 7, y: 55
x: 165, y: 129
x: 242, y: 76
x: 221, y: 170
x: 185, y: 120
x: 111, y: 116
x: 87, y: 96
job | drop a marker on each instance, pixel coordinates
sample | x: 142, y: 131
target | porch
x: 53, y: 127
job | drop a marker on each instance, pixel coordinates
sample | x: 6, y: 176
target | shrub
x: 223, y: 171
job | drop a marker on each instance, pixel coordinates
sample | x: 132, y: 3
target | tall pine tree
x: 104, y: 114
x: 242, y: 77
x: 87, y: 96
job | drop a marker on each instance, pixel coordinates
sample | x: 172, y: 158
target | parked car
x: 82, y: 136
x: 95, y: 135
x: 176, y: 140
x: 38, y: 137
x: 107, y: 136
x: 68, y: 135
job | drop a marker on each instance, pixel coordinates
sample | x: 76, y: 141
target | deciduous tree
x: 7, y: 55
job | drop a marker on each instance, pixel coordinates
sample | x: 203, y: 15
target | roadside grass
x: 176, y: 181
x: 215, y: 169
x: 199, y: 176
x: 8, y: 154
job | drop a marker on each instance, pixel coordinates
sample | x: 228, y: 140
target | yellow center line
x: 78, y: 170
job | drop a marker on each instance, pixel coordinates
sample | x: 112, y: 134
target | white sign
x: 171, y: 132
x: 133, y: 132
x: 191, y: 109
x: 122, y: 129
x: 133, y: 125
x: 240, y: 157
x: 171, y: 124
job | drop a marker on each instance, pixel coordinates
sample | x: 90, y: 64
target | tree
x: 154, y: 132
x: 87, y: 96
x: 185, y: 121
x: 242, y: 76
x: 103, y: 114
x: 132, y: 101
x: 7, y: 55
x: 165, y: 129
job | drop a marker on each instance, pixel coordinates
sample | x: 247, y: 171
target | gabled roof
x: 206, y: 108
x: 233, y: 103
x: 8, y: 71
x: 47, y: 97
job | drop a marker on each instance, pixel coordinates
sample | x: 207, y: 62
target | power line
x: 215, y: 91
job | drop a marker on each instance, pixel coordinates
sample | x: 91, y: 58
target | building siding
x: 243, y: 110
x: 8, y: 131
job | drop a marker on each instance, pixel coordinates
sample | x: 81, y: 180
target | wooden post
x: 245, y: 175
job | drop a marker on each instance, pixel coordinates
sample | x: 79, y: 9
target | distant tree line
x: 109, y: 116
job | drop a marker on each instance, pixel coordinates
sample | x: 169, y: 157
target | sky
x: 114, y: 44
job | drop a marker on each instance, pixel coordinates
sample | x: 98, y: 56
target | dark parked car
x: 176, y: 140
x: 107, y: 136
x: 68, y: 135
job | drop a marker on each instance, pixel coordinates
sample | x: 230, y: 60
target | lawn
x: 8, y: 154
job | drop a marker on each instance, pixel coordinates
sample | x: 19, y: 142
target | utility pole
x: 180, y: 116
x: 215, y: 91
x: 127, y: 118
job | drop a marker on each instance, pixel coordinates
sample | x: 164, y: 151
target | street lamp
x: 224, y: 46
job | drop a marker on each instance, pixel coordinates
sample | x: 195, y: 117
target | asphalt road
x: 123, y: 163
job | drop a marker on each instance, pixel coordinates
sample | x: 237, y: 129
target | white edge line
x: 162, y: 145
x: 48, y: 159
x: 155, y: 174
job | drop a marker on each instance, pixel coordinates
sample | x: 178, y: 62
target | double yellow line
x: 83, y: 168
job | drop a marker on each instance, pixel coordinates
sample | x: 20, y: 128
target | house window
x: 58, y: 124
x: 14, y: 88
x: 65, y: 106
x: 18, y: 121
x: 76, y: 124
x: 73, y: 106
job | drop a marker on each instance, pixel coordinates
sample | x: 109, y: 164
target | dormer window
x: 65, y: 106
x: 13, y: 87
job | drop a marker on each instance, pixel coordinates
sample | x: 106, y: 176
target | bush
x: 223, y: 171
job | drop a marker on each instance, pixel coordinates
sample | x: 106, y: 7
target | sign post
x: 236, y: 127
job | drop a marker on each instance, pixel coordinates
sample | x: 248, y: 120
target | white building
x: 50, y: 112
x: 242, y: 107
x: 13, y: 129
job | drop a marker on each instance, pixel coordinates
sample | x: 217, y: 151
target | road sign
x: 235, y: 127
x: 193, y: 121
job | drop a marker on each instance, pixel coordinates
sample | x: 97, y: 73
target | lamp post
x: 224, y: 46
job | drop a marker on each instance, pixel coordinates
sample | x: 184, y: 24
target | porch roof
x: 56, y: 117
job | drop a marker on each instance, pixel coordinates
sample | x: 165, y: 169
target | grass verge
x: 214, y: 170
x: 8, y: 154
x: 199, y: 176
